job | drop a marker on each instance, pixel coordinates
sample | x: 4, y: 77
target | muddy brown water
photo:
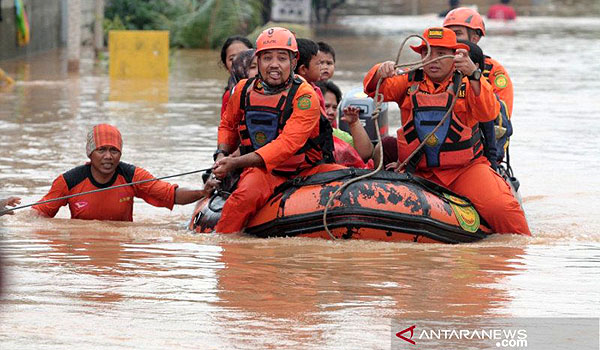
x: 153, y: 285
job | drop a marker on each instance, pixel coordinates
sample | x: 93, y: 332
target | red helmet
x: 276, y: 38
x: 466, y: 17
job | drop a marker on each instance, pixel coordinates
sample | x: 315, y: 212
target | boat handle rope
x: 409, y: 67
x: 5, y: 211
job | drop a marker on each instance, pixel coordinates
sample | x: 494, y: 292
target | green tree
x: 215, y: 20
x: 191, y: 23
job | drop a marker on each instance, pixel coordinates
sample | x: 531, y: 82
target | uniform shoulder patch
x: 304, y: 102
x: 500, y: 81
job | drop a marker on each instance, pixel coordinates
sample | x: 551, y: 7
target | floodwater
x: 152, y: 284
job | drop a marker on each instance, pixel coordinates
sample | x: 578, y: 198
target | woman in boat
x: 232, y: 46
x: 244, y: 66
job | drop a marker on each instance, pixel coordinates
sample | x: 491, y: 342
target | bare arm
x: 362, y: 142
x: 186, y: 195
x: 226, y: 165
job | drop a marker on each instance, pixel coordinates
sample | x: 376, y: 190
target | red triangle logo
x: 409, y: 339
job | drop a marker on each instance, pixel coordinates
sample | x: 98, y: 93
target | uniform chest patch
x: 432, y: 141
x: 80, y: 205
x: 304, y: 102
x: 260, y: 138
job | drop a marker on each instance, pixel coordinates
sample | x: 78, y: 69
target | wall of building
x: 47, y: 23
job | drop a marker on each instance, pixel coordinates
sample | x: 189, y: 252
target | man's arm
x: 59, y: 189
x: 226, y: 165
x: 186, y: 195
x: 501, y: 83
x: 228, y: 137
x: 361, y: 140
x: 393, y: 87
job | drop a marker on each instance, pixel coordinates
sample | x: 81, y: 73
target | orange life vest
x: 452, y: 145
x: 263, y: 119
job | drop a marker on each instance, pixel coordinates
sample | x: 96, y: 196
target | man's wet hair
x: 306, y: 50
x: 328, y: 85
x: 324, y: 47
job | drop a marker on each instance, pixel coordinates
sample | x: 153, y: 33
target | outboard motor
x: 207, y: 213
x: 357, y: 98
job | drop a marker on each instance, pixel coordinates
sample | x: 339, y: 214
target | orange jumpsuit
x: 488, y: 192
x: 116, y: 205
x: 256, y: 185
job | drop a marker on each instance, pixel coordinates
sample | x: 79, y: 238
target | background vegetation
x: 203, y: 23
x: 191, y: 23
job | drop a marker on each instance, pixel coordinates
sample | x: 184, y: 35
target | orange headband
x: 103, y: 135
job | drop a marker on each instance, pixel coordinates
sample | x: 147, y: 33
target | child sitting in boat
x: 352, y: 149
x: 326, y: 60
x: 346, y: 152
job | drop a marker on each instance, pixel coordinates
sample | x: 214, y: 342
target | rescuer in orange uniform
x: 468, y: 24
x: 105, y: 169
x: 453, y: 155
x: 276, y: 122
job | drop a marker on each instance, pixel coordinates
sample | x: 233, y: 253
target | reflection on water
x: 151, y: 284
x: 135, y: 90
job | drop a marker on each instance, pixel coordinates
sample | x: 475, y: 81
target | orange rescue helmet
x: 276, y: 38
x: 441, y: 37
x: 466, y: 17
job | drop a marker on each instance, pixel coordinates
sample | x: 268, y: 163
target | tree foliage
x: 191, y: 23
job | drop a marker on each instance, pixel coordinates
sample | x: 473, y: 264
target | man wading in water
x: 105, y: 169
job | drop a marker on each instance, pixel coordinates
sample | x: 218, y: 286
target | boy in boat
x: 105, y: 169
x: 309, y: 68
x: 275, y: 120
x: 326, y: 60
x: 453, y: 155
